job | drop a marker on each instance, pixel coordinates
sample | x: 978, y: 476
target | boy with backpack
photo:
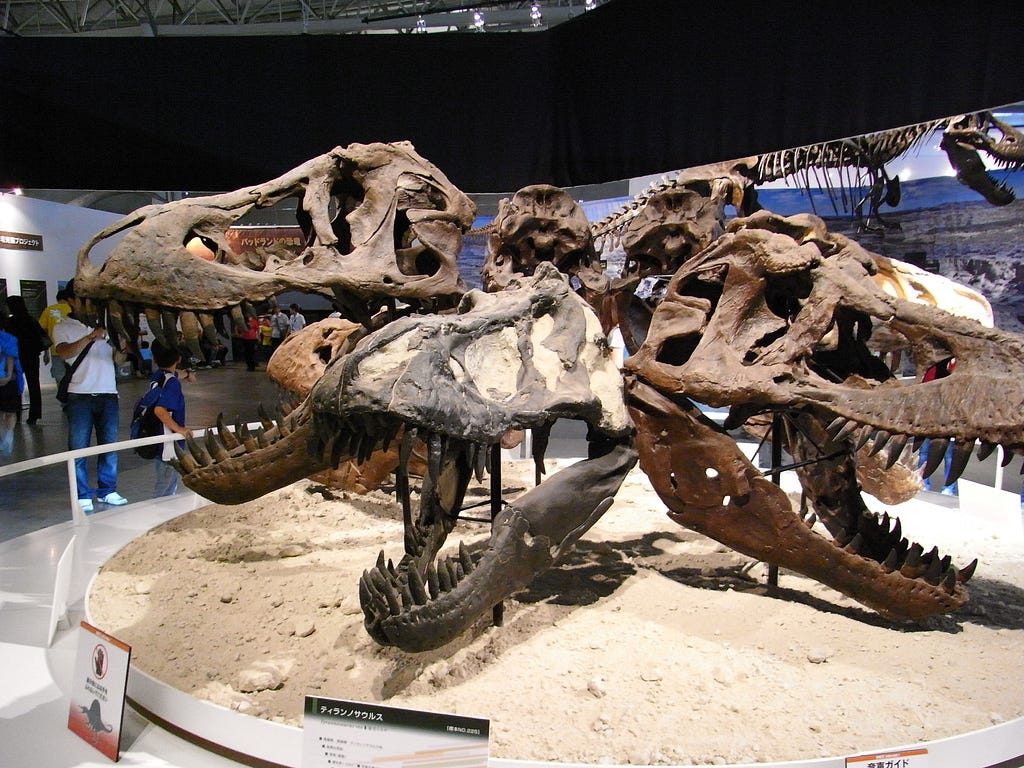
x: 168, y: 406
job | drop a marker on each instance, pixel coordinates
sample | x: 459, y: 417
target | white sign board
x: 98, y: 689
x: 351, y: 734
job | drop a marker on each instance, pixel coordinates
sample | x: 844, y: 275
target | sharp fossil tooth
x: 949, y: 582
x: 185, y: 460
x: 896, y: 446
x: 965, y: 574
x: 453, y: 571
x: 432, y: 582
x: 387, y: 589
x: 264, y: 419
x: 198, y: 452
x: 962, y: 450
x: 910, y: 565
x: 465, y: 559
x: 985, y: 450
x: 880, y: 441
x: 934, y: 573
x: 855, y: 544
x: 897, y: 530
x: 380, y: 565
x: 215, y: 447
x: 226, y: 436
x: 444, y: 577
x: 407, y: 601
x: 841, y: 428
x: 891, y: 561
x: 863, y: 435
x: 1007, y: 456
x: 416, y: 587
x: 810, y: 520
x: 261, y: 438
x: 936, y: 452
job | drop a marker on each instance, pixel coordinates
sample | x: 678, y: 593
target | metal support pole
x: 498, y: 611
x: 773, y: 570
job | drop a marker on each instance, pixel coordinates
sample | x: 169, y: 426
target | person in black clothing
x: 32, y: 341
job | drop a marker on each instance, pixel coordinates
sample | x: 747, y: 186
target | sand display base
x: 652, y: 645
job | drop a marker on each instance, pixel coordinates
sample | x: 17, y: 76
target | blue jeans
x: 85, y: 413
x: 166, y: 478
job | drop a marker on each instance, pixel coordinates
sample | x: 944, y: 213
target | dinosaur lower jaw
x: 232, y: 467
x: 709, y: 486
x: 421, y: 611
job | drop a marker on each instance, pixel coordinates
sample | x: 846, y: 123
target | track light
x: 589, y: 5
x: 478, y: 21
x: 421, y: 25
x: 536, y: 16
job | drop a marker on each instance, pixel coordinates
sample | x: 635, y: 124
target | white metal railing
x: 77, y: 515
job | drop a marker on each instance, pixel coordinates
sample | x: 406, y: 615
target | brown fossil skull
x: 541, y: 223
x: 776, y: 317
x: 379, y: 221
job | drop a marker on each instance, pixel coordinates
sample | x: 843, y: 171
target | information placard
x: 907, y: 758
x: 98, y: 690
x: 352, y: 734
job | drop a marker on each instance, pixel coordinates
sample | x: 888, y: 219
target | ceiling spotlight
x: 535, y: 15
x: 421, y: 25
x: 478, y: 21
x: 589, y: 5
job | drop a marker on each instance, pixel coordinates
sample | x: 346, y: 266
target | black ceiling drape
x: 634, y: 87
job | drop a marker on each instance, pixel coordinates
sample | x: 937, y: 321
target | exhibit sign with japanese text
x: 351, y: 734
x: 907, y: 758
x: 98, y: 689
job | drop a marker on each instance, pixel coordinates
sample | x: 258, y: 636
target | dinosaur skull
x: 540, y: 224
x: 379, y: 221
x: 518, y: 359
x: 775, y: 317
x: 971, y: 134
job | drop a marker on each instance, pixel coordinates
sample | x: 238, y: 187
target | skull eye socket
x: 784, y: 294
x: 201, y: 247
x: 678, y: 350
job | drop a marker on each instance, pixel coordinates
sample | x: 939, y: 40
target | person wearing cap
x: 92, y: 401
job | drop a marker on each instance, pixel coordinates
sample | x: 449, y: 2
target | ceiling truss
x: 153, y: 18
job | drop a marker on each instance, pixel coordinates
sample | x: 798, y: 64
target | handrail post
x: 78, y: 517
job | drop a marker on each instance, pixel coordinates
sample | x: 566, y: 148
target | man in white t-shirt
x: 92, y: 401
x: 297, y: 321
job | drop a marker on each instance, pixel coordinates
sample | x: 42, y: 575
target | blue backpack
x: 144, y: 421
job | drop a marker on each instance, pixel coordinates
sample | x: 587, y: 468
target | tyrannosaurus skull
x: 775, y: 317
x: 518, y: 359
x: 379, y: 221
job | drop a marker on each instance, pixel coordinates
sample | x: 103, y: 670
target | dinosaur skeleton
x: 768, y: 315
x: 860, y: 161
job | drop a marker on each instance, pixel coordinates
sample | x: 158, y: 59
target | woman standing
x: 32, y: 340
x: 10, y: 388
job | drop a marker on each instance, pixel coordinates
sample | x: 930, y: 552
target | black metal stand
x: 498, y: 611
x: 773, y: 570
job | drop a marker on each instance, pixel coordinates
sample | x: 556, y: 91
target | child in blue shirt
x: 170, y: 410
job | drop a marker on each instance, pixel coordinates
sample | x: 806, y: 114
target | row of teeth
x: 123, y: 322
x: 861, y: 434
x: 223, y: 443
x: 388, y: 591
x: 874, y: 536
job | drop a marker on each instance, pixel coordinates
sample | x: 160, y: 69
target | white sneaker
x: 113, y: 498
x: 86, y: 505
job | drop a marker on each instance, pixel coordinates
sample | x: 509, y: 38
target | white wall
x: 64, y: 229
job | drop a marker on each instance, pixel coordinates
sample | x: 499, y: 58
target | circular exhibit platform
x: 650, y: 645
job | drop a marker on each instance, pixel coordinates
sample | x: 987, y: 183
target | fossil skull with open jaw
x: 379, y: 222
x: 518, y: 359
x: 775, y: 317
x: 969, y: 135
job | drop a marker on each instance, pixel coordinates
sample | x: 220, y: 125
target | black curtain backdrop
x: 634, y: 87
